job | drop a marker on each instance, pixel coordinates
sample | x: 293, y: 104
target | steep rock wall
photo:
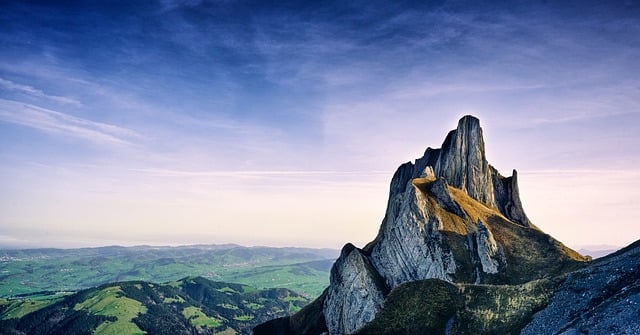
x: 356, y: 293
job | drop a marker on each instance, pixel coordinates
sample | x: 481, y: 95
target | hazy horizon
x: 281, y: 124
x: 579, y: 248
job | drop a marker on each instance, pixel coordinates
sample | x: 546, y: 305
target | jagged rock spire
x: 507, y: 195
x: 462, y: 161
x: 463, y: 164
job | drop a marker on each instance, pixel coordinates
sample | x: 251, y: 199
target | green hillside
x: 192, y: 305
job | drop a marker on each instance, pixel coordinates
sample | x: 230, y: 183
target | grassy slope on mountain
x: 530, y: 254
x: 57, y: 318
x: 17, y: 308
x: 309, y: 320
x: 29, y: 271
x: 188, y: 306
x: 436, y: 307
x: 501, y: 309
x: 111, y: 302
x: 417, y: 307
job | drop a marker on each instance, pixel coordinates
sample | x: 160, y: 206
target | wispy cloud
x: 584, y: 172
x: 30, y: 90
x: 580, y: 116
x: 255, y: 173
x: 58, y: 123
x: 434, y: 89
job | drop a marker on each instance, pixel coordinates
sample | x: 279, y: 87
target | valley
x: 24, y: 273
x: 226, y: 289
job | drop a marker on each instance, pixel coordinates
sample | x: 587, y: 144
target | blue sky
x: 281, y: 123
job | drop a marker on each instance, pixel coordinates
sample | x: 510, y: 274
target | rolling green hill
x: 193, y: 305
x: 24, y: 272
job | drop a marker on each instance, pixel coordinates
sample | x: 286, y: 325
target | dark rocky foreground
x: 603, y: 298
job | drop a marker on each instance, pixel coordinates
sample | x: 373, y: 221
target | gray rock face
x: 487, y: 249
x: 485, y: 252
x: 507, y: 195
x: 603, y: 298
x: 356, y: 293
x: 410, y: 245
x: 462, y: 161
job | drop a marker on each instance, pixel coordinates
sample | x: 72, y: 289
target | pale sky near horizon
x: 281, y: 123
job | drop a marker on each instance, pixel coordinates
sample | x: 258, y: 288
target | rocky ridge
x: 450, y: 216
x: 603, y: 298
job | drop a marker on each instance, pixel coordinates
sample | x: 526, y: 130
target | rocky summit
x: 454, y: 219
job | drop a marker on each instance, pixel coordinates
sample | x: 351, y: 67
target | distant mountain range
x: 25, y: 272
x: 456, y: 254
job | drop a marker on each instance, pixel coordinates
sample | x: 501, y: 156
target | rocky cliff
x: 357, y: 292
x: 450, y: 216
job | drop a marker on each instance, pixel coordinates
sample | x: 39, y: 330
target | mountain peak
x: 470, y: 125
x: 450, y: 216
x: 463, y: 163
